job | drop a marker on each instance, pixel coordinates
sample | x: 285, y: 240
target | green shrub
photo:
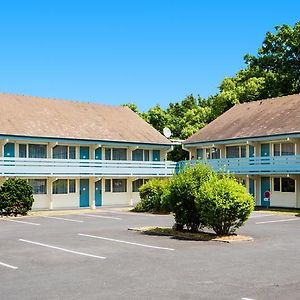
x: 181, y: 195
x: 223, y: 204
x: 151, y: 194
x: 15, y: 197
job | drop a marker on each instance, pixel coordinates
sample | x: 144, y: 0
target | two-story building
x: 77, y: 154
x: 259, y: 142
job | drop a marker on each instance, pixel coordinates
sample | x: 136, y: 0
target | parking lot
x: 94, y: 256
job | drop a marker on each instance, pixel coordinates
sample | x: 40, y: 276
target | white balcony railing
x: 289, y: 164
x: 40, y: 167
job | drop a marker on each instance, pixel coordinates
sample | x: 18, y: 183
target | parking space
x: 93, y: 256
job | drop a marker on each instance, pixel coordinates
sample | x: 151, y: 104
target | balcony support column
x: 49, y: 192
x: 92, y: 192
x: 129, y: 189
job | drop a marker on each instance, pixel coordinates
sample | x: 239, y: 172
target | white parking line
x: 278, y: 221
x: 124, y: 242
x: 62, y: 249
x: 261, y: 216
x: 103, y: 217
x: 8, y: 266
x: 64, y: 219
x: 23, y: 222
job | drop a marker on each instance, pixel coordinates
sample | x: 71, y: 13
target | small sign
x: 267, y: 199
x: 267, y: 195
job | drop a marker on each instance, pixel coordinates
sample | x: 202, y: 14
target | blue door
x: 98, y: 193
x: 84, y: 152
x: 251, y: 187
x: 98, y: 153
x: 9, y: 150
x: 265, y: 186
x: 265, y: 149
x: 156, y: 155
x: 84, y: 192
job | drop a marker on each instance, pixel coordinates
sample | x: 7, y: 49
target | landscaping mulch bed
x: 193, y: 236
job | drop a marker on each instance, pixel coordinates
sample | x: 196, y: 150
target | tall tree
x: 273, y: 72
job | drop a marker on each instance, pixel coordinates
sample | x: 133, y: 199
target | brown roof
x: 254, y: 119
x: 40, y: 117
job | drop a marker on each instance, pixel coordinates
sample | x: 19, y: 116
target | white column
x: 92, y: 192
x: 129, y: 190
x: 49, y: 191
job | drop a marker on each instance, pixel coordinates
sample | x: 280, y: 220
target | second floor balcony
x: 289, y: 164
x: 43, y: 167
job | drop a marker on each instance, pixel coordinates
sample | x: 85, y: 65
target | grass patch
x: 187, y: 235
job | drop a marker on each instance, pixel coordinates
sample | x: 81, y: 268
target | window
x: 72, y: 152
x: 60, y: 186
x: 107, y: 153
x: 137, y: 155
x: 107, y: 185
x: 37, y: 151
x: 119, y: 185
x: 22, y: 150
x: 72, y: 186
x: 288, y: 185
x: 276, y: 149
x: 232, y: 152
x: 236, y: 151
x: 60, y: 152
x: 284, y: 149
x: 285, y: 185
x: 146, y: 155
x: 39, y: 186
x: 243, y: 151
x: 277, y: 184
x: 136, y: 185
x: 287, y: 149
x: 140, y: 155
x: 119, y: 154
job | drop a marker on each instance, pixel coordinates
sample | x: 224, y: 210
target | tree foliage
x: 15, y: 197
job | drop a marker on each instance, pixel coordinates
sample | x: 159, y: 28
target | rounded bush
x: 224, y: 204
x: 151, y: 194
x: 15, y: 197
x: 182, y: 191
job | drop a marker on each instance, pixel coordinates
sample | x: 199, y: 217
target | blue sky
x: 142, y: 51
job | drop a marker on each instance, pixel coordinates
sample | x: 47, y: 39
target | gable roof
x: 40, y: 117
x: 253, y: 119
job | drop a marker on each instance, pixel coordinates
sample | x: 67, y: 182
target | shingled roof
x: 254, y: 119
x: 52, y: 118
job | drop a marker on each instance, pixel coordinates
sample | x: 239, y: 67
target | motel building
x: 258, y: 142
x: 77, y: 154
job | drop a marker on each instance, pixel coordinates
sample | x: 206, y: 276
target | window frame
x: 135, y: 186
x: 34, y: 191
x: 279, y: 152
x: 123, y: 186
x: 283, y: 188
x: 72, y: 188
x: 107, y: 185
x: 56, y: 191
